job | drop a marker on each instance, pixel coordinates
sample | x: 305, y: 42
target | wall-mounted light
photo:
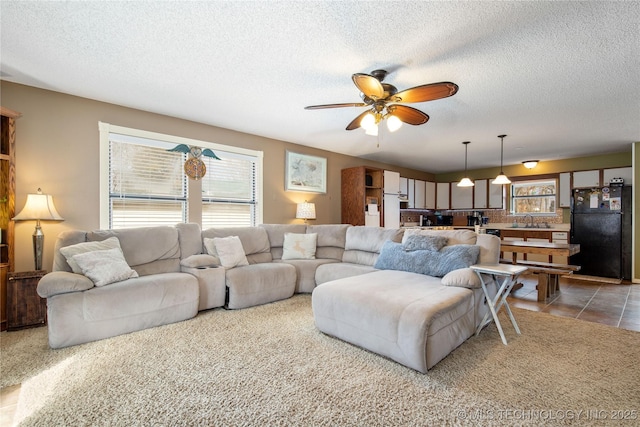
x: 530, y: 164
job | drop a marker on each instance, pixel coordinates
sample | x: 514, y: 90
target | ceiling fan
x: 385, y: 101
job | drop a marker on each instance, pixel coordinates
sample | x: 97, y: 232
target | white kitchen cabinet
x: 420, y: 188
x: 496, y: 196
x: 461, y: 197
x: 564, y: 190
x: 480, y: 194
x: 584, y: 179
x: 430, y: 195
x: 624, y: 173
x: 411, y: 193
x: 391, y: 182
x: 442, y: 195
x: 404, y: 187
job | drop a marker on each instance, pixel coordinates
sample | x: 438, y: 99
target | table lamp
x: 306, y: 211
x: 39, y: 207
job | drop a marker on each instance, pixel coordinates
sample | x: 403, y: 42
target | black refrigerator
x: 601, y: 224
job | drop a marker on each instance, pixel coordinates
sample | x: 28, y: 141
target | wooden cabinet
x: 442, y: 195
x: 25, y: 308
x: 360, y: 186
x: 419, y: 189
x: 461, y: 197
x: 7, y: 203
x: 430, y: 195
x: 584, y: 179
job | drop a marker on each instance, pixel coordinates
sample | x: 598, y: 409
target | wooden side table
x: 25, y: 308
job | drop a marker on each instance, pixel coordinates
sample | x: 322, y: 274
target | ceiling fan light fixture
x: 465, y: 182
x: 393, y: 123
x: 530, y: 164
x: 368, y: 121
x: 502, y: 178
x: 373, y: 130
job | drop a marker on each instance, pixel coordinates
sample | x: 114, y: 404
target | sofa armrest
x: 62, y: 282
x: 199, y: 261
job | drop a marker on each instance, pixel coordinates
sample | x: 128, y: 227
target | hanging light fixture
x: 465, y: 182
x: 377, y: 114
x: 502, y: 178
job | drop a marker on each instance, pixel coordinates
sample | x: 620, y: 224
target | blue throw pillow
x: 393, y: 256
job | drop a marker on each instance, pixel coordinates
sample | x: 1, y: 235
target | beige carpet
x: 268, y: 365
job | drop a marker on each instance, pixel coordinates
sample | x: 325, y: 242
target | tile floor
x: 610, y: 304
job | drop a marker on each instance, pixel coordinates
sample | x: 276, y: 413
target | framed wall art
x: 305, y: 173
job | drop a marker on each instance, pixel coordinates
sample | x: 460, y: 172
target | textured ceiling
x: 561, y: 79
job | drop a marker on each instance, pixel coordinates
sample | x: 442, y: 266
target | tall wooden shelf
x: 7, y: 203
x: 359, y: 186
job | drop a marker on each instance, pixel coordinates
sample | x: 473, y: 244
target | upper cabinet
x: 411, y: 193
x: 442, y: 195
x: 404, y: 187
x: 564, y: 190
x: 391, y: 182
x: 496, y: 196
x: 480, y: 194
x: 461, y: 197
x: 419, y: 190
x: 625, y: 173
x: 586, y: 179
x: 430, y: 195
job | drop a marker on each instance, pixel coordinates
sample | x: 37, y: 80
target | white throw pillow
x: 299, y: 246
x: 80, y: 248
x: 463, y: 278
x: 104, y: 267
x: 230, y: 251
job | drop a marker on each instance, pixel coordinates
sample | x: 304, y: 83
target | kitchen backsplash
x: 495, y: 216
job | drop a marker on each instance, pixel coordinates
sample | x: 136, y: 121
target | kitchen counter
x: 496, y: 226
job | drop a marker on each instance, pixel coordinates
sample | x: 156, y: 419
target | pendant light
x: 502, y: 178
x: 465, y: 182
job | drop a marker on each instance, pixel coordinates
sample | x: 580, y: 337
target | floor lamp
x: 39, y: 207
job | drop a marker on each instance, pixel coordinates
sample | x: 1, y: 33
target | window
x: 535, y: 197
x: 144, y: 184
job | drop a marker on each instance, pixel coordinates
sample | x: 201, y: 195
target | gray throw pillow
x: 431, y: 263
x: 430, y: 243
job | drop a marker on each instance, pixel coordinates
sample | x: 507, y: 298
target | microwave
x: 444, y: 219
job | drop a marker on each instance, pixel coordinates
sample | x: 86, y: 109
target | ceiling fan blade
x: 368, y: 85
x: 408, y: 114
x: 428, y: 92
x: 348, y: 104
x: 355, y: 123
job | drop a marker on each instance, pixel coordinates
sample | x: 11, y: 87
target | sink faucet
x: 530, y: 225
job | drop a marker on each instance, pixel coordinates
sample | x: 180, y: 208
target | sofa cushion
x: 299, y: 246
x: 200, y: 261
x: 328, y: 272
x: 462, y: 277
x: 104, y: 267
x: 254, y: 241
x: 261, y: 283
x: 228, y: 250
x: 80, y: 248
x: 430, y: 263
x: 148, y: 250
x: 306, y: 271
x: 363, y: 244
x: 331, y: 240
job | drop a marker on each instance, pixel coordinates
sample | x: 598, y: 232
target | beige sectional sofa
x: 412, y: 318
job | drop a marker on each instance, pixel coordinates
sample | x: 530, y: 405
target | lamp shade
x: 39, y: 207
x: 306, y: 210
x: 465, y: 182
x: 501, y: 179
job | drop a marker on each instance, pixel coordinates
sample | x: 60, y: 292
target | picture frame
x: 304, y: 172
